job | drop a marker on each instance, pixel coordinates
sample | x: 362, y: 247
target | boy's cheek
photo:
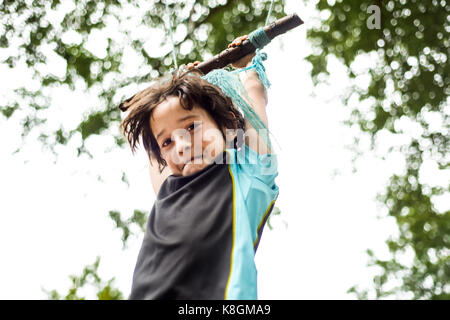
x: 172, y: 160
x: 175, y: 159
x: 174, y: 168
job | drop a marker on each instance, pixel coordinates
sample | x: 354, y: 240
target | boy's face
x: 189, y: 140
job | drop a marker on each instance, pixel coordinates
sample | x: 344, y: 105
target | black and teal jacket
x: 204, y: 230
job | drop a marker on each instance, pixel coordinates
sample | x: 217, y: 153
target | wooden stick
x: 231, y: 55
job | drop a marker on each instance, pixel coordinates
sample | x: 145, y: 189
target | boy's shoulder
x: 264, y: 166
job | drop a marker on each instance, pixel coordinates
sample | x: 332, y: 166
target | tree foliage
x: 89, y: 279
x: 138, y: 218
x: 409, y: 81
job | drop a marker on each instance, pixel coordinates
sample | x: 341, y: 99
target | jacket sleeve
x: 263, y: 167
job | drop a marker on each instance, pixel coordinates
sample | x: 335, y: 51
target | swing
x: 229, y: 81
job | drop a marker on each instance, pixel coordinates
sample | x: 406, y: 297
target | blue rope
x: 258, y: 66
x: 270, y: 12
x: 259, y: 38
x: 174, y: 54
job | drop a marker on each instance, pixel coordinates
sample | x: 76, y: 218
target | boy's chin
x: 197, y: 164
x: 191, y: 168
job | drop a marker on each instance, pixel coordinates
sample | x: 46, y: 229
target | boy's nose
x: 183, y: 146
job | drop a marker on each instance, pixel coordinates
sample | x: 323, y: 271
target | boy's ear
x: 234, y: 118
x: 230, y: 134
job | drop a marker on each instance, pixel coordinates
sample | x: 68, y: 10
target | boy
x: 212, y: 201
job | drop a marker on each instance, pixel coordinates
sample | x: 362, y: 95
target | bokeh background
x: 358, y: 109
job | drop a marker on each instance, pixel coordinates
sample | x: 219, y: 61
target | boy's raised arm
x: 258, y: 96
x: 156, y: 177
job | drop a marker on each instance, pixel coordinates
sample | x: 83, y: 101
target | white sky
x: 54, y: 216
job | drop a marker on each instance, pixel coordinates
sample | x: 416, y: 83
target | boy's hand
x: 192, y: 65
x: 245, y: 61
x: 241, y: 63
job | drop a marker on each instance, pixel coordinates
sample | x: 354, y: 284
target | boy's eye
x: 166, y: 143
x: 193, y: 126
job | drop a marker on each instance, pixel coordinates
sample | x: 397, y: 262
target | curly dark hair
x: 192, y: 90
